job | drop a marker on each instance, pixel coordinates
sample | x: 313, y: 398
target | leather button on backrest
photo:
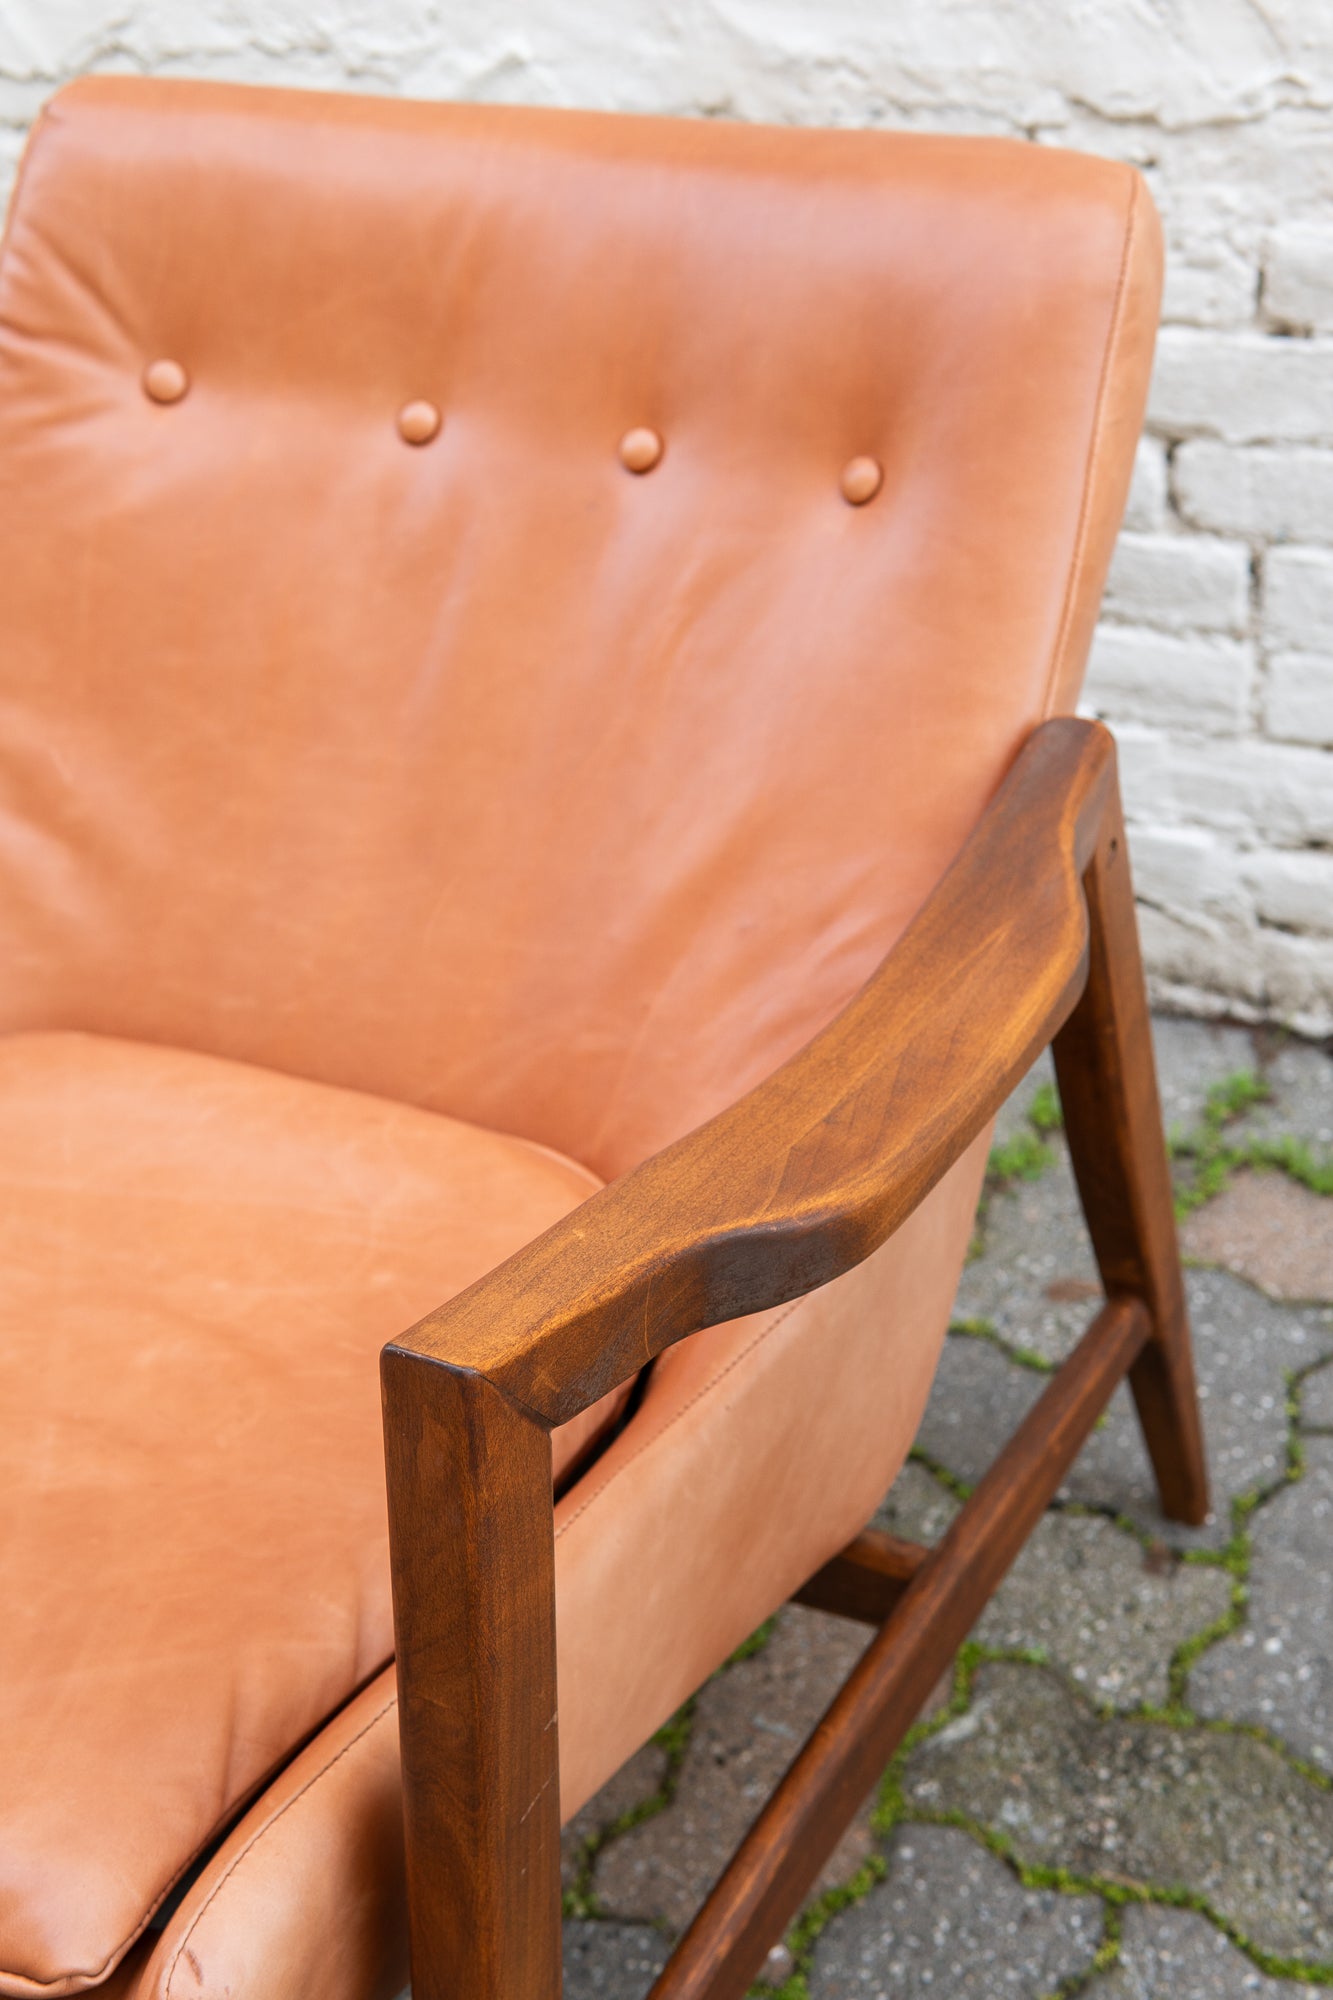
x: 165, y: 381
x: 861, y: 480
x: 640, y: 449
x: 418, y: 422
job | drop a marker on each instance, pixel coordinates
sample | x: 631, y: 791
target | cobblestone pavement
x: 1127, y: 1788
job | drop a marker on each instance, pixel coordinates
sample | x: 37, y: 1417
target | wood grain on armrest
x: 813, y: 1169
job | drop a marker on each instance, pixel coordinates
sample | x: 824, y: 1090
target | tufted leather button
x: 165, y: 381
x: 861, y: 480
x: 640, y: 449
x: 418, y: 422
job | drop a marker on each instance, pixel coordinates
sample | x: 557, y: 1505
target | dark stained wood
x: 1108, y: 1089
x: 866, y: 1579
x: 1030, y: 933
x: 472, y: 1530
x: 808, y: 1173
x: 776, y: 1865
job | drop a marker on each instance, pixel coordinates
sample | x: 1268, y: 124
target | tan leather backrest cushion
x: 485, y: 773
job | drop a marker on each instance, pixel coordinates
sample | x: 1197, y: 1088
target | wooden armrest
x: 809, y: 1172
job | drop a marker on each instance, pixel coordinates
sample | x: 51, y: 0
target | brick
x: 1298, y: 700
x: 1138, y: 675
x: 1293, y: 889
x: 1298, y: 277
x: 1284, y: 791
x: 1297, y: 981
x: 1280, y: 492
x: 1192, y: 955
x: 1298, y: 599
x: 1180, y: 583
x: 1146, y: 507
x: 1248, y: 387
x: 1187, y: 867
x: 1208, y: 293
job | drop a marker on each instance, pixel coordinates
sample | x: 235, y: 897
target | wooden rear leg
x: 1108, y: 1089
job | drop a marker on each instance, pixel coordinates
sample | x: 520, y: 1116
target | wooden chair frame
x: 1030, y: 936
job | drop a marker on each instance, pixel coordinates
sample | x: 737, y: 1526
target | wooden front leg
x: 1113, y: 1118
x: 472, y: 1540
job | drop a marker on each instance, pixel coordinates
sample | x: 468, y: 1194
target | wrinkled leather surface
x: 305, y: 1900
x: 199, y: 1263
x: 487, y: 775
x: 491, y: 778
x: 750, y: 1460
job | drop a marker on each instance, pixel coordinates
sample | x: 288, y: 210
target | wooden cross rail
x: 932, y: 1597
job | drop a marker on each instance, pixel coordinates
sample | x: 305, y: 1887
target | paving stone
x: 1034, y: 1245
x: 1300, y: 1076
x: 978, y: 1399
x: 1101, y: 1608
x: 1013, y: 1116
x: 1178, y: 1953
x: 1278, y: 1670
x: 917, y: 1506
x: 1218, y: 1814
x: 608, y: 1961
x: 1317, y: 1392
x: 1036, y: 1278
x: 636, y: 1780
x: 952, y: 1919
x: 1244, y: 1346
x: 1191, y: 1057
x: 1268, y: 1228
x: 750, y: 1721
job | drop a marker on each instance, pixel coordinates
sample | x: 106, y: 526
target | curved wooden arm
x: 809, y: 1172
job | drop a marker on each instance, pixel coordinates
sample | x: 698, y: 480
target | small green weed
x: 1210, y: 1159
x: 1025, y: 1157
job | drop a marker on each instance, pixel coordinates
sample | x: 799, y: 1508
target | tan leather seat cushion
x: 758, y: 1449
x: 199, y: 1263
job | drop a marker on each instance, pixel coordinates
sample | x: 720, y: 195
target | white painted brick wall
x: 1298, y: 278
x: 1268, y: 493
x: 1180, y: 583
x: 1215, y: 657
x: 1298, y: 704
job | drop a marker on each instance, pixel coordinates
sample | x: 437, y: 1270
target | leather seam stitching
x: 1094, y: 451
x: 60, y: 1984
x: 684, y: 1410
x: 267, y: 1827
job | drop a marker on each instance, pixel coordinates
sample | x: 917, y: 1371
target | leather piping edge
x: 1078, y: 552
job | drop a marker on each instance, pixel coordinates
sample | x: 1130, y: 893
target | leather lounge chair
x: 540, y: 817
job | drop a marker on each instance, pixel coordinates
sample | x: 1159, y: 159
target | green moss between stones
x: 892, y: 1811
x: 1209, y: 1161
x: 1044, y: 1113
x: 984, y: 1329
x: 673, y: 1737
x: 940, y: 1472
x: 817, y: 1915
x: 1213, y: 1163
x: 1025, y: 1157
x: 756, y: 1642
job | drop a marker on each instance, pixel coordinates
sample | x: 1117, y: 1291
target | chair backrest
x: 484, y: 772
